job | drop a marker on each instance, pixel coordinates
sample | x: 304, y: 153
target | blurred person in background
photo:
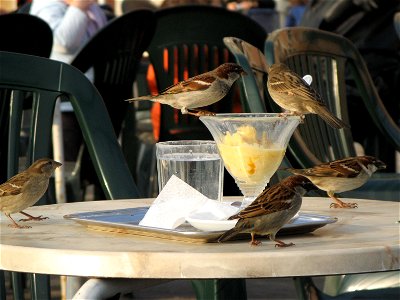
x: 245, y: 5
x: 295, y: 12
x: 73, y: 23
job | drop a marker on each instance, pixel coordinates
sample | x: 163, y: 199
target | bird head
x: 372, y: 163
x: 230, y: 71
x: 44, y: 166
x: 299, y: 183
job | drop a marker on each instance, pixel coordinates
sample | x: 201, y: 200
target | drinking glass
x: 251, y: 146
x: 197, y: 162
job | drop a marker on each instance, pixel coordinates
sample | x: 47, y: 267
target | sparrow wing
x: 196, y: 83
x: 343, y: 168
x: 291, y: 84
x: 273, y: 199
x: 14, y: 185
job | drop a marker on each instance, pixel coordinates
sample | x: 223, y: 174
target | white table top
x: 365, y: 239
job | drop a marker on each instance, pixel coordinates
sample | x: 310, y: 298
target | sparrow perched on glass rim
x: 271, y: 210
x: 341, y: 175
x: 198, y: 91
x: 292, y: 93
x: 25, y: 189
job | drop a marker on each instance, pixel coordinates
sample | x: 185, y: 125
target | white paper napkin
x: 176, y: 201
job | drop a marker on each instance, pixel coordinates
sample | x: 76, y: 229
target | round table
x: 365, y: 239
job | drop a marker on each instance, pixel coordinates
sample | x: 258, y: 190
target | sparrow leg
x: 199, y: 113
x: 281, y: 244
x: 339, y: 203
x: 15, y: 225
x: 32, y: 218
x: 292, y: 113
x: 254, y: 242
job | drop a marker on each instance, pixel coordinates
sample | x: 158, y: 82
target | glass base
x: 247, y: 200
x: 250, y: 193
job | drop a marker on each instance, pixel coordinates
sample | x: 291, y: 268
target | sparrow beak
x: 57, y: 164
x: 243, y: 72
x: 380, y: 164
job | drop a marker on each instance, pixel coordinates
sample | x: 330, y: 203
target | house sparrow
x: 292, y: 93
x: 272, y: 209
x: 25, y: 189
x: 198, y: 91
x: 341, y: 176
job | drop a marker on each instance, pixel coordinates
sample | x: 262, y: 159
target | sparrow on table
x: 292, y: 93
x: 272, y: 209
x: 341, y: 176
x: 198, y: 91
x: 25, y: 189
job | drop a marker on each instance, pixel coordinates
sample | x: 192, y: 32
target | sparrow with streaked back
x: 294, y: 94
x: 198, y: 91
x: 25, y: 189
x: 341, y: 176
x: 271, y: 210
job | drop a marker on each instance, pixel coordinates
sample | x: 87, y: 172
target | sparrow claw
x: 31, y: 218
x: 255, y: 243
x: 19, y: 226
x: 281, y: 244
x: 343, y: 205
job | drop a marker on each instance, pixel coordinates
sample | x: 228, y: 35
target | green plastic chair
x: 47, y: 80
x: 189, y: 39
x: 328, y: 57
x: 34, y: 38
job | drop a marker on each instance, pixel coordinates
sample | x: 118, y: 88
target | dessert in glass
x: 252, y: 146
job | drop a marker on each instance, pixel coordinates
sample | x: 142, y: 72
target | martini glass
x: 252, y: 146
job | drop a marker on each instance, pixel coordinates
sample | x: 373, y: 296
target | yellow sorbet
x: 247, y: 158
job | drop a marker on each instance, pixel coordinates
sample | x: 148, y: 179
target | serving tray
x: 127, y: 221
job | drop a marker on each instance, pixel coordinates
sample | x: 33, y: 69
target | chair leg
x: 2, y: 286
x: 305, y: 288
x: 220, y: 289
x: 40, y: 287
x: 18, y: 286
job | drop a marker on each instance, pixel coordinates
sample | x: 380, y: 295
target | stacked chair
x: 113, y: 55
x: 46, y: 81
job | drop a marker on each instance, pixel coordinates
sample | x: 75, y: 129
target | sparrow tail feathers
x: 227, y: 235
x: 332, y: 120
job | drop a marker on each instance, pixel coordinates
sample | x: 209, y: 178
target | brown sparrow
x: 25, y: 189
x: 198, y: 91
x: 292, y: 93
x: 341, y: 176
x: 272, y: 209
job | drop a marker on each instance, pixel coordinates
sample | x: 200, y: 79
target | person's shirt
x: 295, y: 14
x: 71, y: 26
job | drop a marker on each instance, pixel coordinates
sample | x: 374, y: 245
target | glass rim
x: 187, y: 143
x: 249, y: 116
